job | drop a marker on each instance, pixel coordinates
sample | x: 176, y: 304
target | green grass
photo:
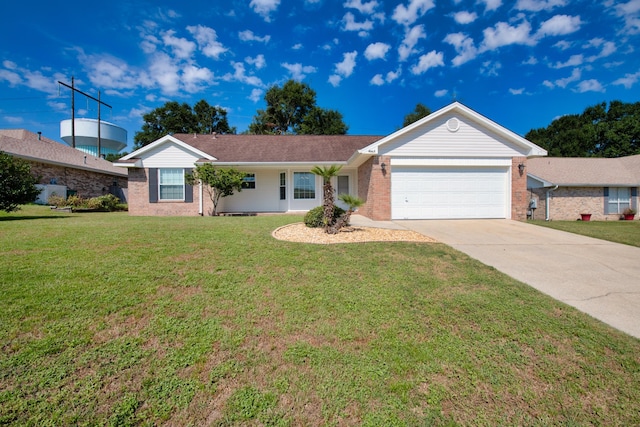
x: 626, y: 232
x: 107, y: 319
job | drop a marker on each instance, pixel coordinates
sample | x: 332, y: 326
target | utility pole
x: 73, y: 111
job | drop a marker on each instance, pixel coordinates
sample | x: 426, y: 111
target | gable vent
x: 453, y: 124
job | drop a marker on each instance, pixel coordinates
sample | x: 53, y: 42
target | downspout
x: 548, y: 200
x: 200, y: 205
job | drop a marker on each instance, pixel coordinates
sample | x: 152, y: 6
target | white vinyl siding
x: 449, y: 192
x: 171, y: 184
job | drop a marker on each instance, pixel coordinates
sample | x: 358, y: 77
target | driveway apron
x: 597, y: 277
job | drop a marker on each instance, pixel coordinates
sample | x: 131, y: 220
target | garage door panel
x: 440, y: 193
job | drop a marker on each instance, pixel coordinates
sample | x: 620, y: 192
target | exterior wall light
x: 521, y: 168
x: 383, y: 166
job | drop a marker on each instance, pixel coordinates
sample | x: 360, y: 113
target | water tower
x: 112, y: 138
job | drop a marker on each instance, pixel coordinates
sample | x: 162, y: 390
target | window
x: 171, y: 184
x: 249, y: 181
x: 304, y: 185
x: 619, y: 199
x: 283, y: 186
x: 343, y: 184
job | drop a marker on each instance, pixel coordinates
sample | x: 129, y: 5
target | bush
x: 314, y: 218
x: 108, y: 202
x: 57, y: 201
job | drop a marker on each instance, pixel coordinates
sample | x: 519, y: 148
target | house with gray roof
x: 452, y: 164
x: 564, y: 188
x: 63, y: 169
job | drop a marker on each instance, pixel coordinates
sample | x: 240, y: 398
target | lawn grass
x: 625, y: 232
x: 107, y: 319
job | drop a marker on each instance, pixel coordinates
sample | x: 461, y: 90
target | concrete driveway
x: 597, y: 277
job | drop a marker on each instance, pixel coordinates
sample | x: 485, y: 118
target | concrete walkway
x: 597, y: 277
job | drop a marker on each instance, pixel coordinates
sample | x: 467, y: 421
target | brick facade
x: 567, y: 203
x: 374, y: 186
x: 139, y: 204
x: 85, y: 183
x: 519, y: 195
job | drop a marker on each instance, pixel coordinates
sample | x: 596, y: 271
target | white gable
x: 454, y: 131
x: 167, y: 152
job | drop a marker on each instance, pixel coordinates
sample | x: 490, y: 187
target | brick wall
x: 374, y: 186
x: 87, y: 184
x: 519, y: 194
x: 567, y: 203
x: 139, y: 204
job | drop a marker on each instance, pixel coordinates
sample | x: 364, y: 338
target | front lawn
x: 119, y: 320
x: 626, y: 232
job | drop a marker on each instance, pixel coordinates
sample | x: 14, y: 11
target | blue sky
x: 521, y: 63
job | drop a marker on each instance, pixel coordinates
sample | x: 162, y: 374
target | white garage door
x: 449, y: 193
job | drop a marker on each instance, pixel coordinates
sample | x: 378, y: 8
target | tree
x: 597, y: 132
x: 419, y: 112
x: 353, y: 202
x: 292, y: 109
x: 17, y: 185
x: 219, y: 182
x: 173, y: 117
x: 328, y: 198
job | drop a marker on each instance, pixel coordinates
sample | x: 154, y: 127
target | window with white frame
x: 304, y: 185
x: 619, y: 199
x: 249, y: 181
x: 283, y: 186
x: 171, y: 184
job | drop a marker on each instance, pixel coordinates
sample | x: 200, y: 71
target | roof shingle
x: 587, y: 171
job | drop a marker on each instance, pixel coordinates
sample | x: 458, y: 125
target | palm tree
x: 328, y: 202
x: 353, y: 202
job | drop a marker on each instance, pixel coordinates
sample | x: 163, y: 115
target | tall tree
x: 17, y: 185
x: 597, y: 132
x: 292, y: 109
x: 174, y: 117
x: 419, y: 112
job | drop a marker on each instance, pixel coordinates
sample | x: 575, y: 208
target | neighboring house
x: 454, y: 163
x: 566, y: 187
x: 62, y: 169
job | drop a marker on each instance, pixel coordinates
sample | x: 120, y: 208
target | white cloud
x: 344, y: 69
x: 630, y: 12
x: 376, y: 51
x: 573, y: 61
x: 430, y: 60
x: 297, y: 46
x: 13, y: 120
x: 256, y: 95
x: 9, y: 65
x: 503, y: 34
x: 591, y: 85
x: 538, y: 5
x: 464, y: 47
x: 559, y: 25
x: 348, y: 64
x: 608, y: 48
x: 365, y: 8
x: 11, y: 77
x: 532, y: 60
x: 407, y: 15
x: 563, y: 45
x: 264, y: 8
x: 259, y: 62
x: 377, y: 80
x: 628, y: 80
x: 441, y: 93
x: 411, y: 38
x: 465, y: 17
x: 490, y: 5
x: 194, y: 78
x: 165, y: 73
x: 349, y: 24
x: 490, y: 68
x: 519, y: 91
x: 241, y: 76
x: 249, y: 36
x: 393, y: 75
x: 576, y: 74
x: 299, y: 71
x: 207, y: 41
x: 181, y: 47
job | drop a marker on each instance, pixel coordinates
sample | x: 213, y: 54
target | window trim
x: 297, y: 192
x: 249, y: 181
x: 616, y: 205
x: 160, y: 185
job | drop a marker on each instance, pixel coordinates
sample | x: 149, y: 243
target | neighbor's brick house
x: 60, y: 165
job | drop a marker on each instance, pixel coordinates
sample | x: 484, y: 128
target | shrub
x: 314, y: 218
x: 76, y: 201
x: 57, y: 201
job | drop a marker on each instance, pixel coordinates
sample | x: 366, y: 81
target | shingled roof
x: 586, y: 171
x: 278, y: 148
x: 30, y: 146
